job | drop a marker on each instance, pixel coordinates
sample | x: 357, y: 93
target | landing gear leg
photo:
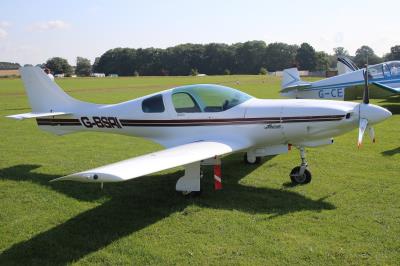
x: 189, y: 184
x: 300, y: 175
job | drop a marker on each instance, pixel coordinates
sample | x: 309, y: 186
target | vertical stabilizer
x: 291, y: 76
x: 43, y: 93
x: 345, y: 65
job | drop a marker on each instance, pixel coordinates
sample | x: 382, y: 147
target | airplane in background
x: 197, y: 124
x: 384, y: 81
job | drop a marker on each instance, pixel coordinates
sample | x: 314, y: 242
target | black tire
x: 300, y: 180
x: 257, y: 161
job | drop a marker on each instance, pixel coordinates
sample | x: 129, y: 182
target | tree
x: 59, y: 65
x: 279, y: 56
x: 306, y: 58
x: 249, y: 57
x: 83, y: 67
x: 340, y: 51
x: 9, y: 65
x: 322, y: 61
x: 394, y: 53
x: 95, y: 64
x: 217, y: 58
x: 365, y: 53
x: 194, y: 72
x: 263, y: 71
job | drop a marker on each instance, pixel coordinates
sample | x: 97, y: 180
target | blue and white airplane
x: 384, y: 81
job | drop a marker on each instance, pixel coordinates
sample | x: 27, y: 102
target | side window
x: 184, y: 103
x: 395, y: 68
x: 153, y: 104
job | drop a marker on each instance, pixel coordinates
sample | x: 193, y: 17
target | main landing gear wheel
x: 298, y: 178
x: 251, y: 160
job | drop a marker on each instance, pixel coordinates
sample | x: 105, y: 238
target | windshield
x: 376, y: 71
x: 206, y: 98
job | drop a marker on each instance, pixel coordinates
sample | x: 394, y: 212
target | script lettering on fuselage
x: 101, y: 122
x: 271, y: 126
x: 331, y: 93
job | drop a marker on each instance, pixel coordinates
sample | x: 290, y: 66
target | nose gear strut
x: 300, y: 175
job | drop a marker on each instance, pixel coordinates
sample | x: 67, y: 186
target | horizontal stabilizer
x: 299, y: 85
x: 36, y: 115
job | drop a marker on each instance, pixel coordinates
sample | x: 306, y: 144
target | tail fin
x: 44, y: 94
x: 345, y: 65
x: 291, y: 77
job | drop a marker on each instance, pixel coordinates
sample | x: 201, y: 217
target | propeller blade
x: 371, y: 132
x: 361, y: 130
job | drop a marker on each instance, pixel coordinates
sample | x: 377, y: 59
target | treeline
x: 9, y: 66
x: 212, y: 59
x: 252, y: 57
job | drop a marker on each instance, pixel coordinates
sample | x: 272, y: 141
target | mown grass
x: 348, y: 214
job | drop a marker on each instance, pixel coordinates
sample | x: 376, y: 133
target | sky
x: 33, y: 31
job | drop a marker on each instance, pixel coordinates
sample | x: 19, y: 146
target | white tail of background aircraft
x: 291, y: 78
x: 345, y: 65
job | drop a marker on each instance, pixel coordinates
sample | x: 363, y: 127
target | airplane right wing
x: 387, y: 88
x: 157, y: 161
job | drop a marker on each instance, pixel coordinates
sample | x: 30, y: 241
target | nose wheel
x: 299, y: 178
x: 300, y: 175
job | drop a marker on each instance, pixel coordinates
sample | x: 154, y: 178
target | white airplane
x: 197, y: 124
x: 384, y: 81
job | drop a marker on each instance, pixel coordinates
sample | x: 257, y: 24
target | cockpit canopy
x: 385, y: 70
x: 206, y: 98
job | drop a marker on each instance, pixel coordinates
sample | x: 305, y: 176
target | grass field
x: 348, y: 214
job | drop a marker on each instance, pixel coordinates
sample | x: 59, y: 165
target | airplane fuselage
x: 261, y: 122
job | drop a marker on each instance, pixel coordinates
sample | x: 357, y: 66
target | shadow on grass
x: 391, y: 152
x: 392, y: 99
x: 394, y: 108
x: 136, y: 204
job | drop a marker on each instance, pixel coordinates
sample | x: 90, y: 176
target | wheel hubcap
x: 300, y: 178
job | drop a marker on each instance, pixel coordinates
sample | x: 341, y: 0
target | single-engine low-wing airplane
x: 384, y: 81
x: 198, y: 124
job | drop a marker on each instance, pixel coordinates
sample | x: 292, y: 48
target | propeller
x: 363, y: 122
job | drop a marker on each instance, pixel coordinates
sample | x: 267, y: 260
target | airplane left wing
x: 157, y: 161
